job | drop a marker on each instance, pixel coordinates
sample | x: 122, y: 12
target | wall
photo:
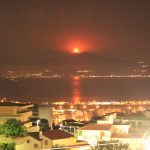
x: 91, y: 133
x: 23, y: 145
x: 120, y: 129
x: 147, y: 114
x: 45, y: 112
x: 65, y: 142
x: 25, y: 116
x: 8, y: 110
x: 50, y: 142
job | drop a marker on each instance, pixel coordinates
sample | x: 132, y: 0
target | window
x: 46, y: 142
x: 28, y: 141
x: 140, y: 124
x: 35, y: 145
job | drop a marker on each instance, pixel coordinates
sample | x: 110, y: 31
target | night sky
x: 44, y: 32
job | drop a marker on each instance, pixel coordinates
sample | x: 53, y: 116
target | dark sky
x: 38, y: 32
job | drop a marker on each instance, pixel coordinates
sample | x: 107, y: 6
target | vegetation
x: 7, y: 146
x: 110, y: 145
x: 13, y: 128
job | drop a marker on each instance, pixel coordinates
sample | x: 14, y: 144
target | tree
x: 13, y: 128
x: 2, y: 146
x: 7, y: 146
x: 110, y: 145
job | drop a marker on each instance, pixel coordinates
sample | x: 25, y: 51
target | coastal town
x: 63, y: 125
x: 74, y: 74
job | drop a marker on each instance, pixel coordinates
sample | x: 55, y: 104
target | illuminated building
x: 18, y: 111
x: 47, y: 140
x: 137, y: 121
x: 111, y: 129
x: 42, y: 112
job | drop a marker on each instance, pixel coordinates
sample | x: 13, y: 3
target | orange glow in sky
x: 79, y: 45
x: 76, y: 46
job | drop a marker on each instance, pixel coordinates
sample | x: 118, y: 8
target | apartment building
x: 18, y: 111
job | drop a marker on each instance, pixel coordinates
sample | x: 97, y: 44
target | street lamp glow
x: 37, y: 124
x: 97, y: 106
x: 84, y: 106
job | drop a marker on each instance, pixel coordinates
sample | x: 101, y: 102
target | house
x: 45, y: 140
x: 137, y: 121
x: 110, y: 129
x: 93, y: 132
x: 57, y: 138
x: 31, y: 142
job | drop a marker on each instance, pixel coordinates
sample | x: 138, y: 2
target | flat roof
x: 95, y: 126
x: 14, y: 104
x: 129, y: 135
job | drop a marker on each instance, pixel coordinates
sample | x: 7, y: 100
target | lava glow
x: 76, y: 51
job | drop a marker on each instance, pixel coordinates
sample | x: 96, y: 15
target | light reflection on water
x: 76, y: 90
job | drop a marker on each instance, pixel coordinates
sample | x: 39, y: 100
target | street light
x: 37, y: 124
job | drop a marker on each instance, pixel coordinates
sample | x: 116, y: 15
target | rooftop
x: 96, y: 127
x: 56, y: 134
x: 129, y: 135
x: 14, y: 104
x: 35, y: 135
